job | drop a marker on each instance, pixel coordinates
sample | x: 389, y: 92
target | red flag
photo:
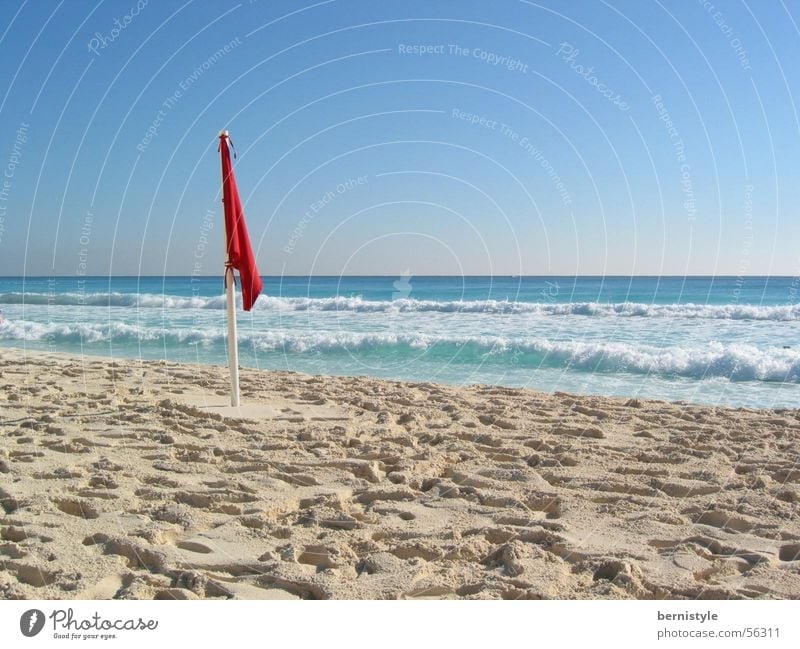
x: 240, y: 253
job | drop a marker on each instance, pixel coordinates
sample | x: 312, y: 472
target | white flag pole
x: 233, y: 345
x: 230, y: 292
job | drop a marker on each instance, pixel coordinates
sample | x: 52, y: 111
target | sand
x: 128, y: 479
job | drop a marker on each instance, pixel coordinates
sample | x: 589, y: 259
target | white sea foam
x: 359, y: 305
x: 735, y: 361
x: 133, y: 300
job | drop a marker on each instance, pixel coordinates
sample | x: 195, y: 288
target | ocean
x: 722, y: 340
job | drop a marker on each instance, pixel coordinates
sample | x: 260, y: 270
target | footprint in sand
x: 790, y: 552
x: 74, y: 507
x: 194, y: 546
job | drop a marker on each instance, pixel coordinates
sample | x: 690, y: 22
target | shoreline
x: 128, y: 478
x: 366, y: 377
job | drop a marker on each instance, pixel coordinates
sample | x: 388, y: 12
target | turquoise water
x: 722, y: 340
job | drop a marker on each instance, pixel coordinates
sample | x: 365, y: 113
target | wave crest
x: 735, y: 361
x: 780, y: 313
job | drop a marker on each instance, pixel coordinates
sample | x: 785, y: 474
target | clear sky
x: 434, y: 137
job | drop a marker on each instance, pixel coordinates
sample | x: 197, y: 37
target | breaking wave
x: 781, y: 313
x: 132, y: 300
x: 735, y: 361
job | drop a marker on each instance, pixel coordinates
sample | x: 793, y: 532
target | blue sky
x: 620, y: 137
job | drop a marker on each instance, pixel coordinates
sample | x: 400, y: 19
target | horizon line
x: 392, y: 275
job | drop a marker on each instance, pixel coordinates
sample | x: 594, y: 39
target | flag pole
x: 233, y: 345
x: 230, y: 294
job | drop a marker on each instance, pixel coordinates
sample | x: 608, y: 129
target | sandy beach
x: 127, y: 479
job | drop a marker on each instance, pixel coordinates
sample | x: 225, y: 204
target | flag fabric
x: 240, y: 252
